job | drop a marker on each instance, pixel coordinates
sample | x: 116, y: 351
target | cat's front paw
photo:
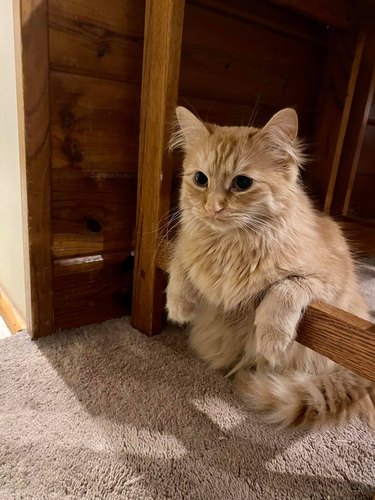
x: 180, y: 310
x: 271, y: 344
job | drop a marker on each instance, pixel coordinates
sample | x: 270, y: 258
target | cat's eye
x: 241, y: 183
x: 201, y: 179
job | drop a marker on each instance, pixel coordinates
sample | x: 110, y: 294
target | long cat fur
x: 247, y: 264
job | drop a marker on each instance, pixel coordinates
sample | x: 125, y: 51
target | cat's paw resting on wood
x: 250, y: 255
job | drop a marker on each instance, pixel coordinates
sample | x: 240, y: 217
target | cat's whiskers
x: 172, y: 224
x: 172, y: 211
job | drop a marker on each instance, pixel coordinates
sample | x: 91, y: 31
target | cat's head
x: 233, y: 176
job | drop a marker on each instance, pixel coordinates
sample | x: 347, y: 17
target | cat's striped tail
x: 307, y: 401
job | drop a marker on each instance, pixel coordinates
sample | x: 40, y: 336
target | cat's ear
x: 282, y: 143
x: 283, y: 125
x: 189, y: 130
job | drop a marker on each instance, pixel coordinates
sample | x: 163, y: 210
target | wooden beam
x: 31, y: 48
x: 10, y: 315
x: 336, y: 334
x: 161, y: 65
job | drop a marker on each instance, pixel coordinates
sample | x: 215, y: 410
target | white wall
x: 12, y: 275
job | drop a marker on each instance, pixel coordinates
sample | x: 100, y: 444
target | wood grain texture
x: 97, y: 38
x: 92, y: 213
x: 352, y: 147
x: 333, y: 12
x: 95, y: 123
x: 161, y: 63
x: 10, y: 315
x: 342, y: 337
x: 226, y: 59
x: 336, y: 334
x: 336, y: 98
x: 91, y: 289
x: 272, y: 16
x: 34, y: 127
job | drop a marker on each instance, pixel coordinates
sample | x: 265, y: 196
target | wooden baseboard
x: 9, y: 313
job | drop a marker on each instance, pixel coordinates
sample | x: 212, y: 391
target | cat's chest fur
x: 226, y: 271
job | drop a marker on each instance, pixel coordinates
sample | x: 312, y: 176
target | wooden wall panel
x: 95, y: 61
x: 224, y: 59
x: 95, y: 123
x: 271, y: 16
x: 92, y: 214
x: 91, y: 289
x: 97, y: 38
x: 333, y: 12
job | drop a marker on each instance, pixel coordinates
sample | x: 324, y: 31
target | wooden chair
x: 344, y: 338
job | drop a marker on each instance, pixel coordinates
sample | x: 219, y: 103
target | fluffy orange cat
x: 250, y: 255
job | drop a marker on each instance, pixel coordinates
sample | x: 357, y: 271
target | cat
x: 250, y: 255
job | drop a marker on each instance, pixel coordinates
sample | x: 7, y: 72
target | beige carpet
x: 105, y: 413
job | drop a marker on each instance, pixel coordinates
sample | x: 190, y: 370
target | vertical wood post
x: 337, y: 95
x: 161, y: 65
x: 32, y: 68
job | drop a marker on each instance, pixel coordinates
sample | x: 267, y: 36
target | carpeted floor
x: 105, y: 413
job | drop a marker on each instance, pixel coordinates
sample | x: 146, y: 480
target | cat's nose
x: 212, y: 210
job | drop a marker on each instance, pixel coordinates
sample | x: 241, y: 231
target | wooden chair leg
x: 161, y: 65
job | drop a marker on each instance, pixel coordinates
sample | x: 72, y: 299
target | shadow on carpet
x: 105, y: 412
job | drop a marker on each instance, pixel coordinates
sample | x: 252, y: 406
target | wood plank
x: 93, y: 213
x: 333, y: 12
x: 275, y: 18
x: 92, y: 289
x: 31, y: 35
x: 342, y: 337
x: 10, y: 315
x: 95, y: 124
x: 336, y: 334
x: 336, y: 99
x: 161, y: 63
x: 97, y: 38
x: 352, y: 147
x: 224, y: 59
